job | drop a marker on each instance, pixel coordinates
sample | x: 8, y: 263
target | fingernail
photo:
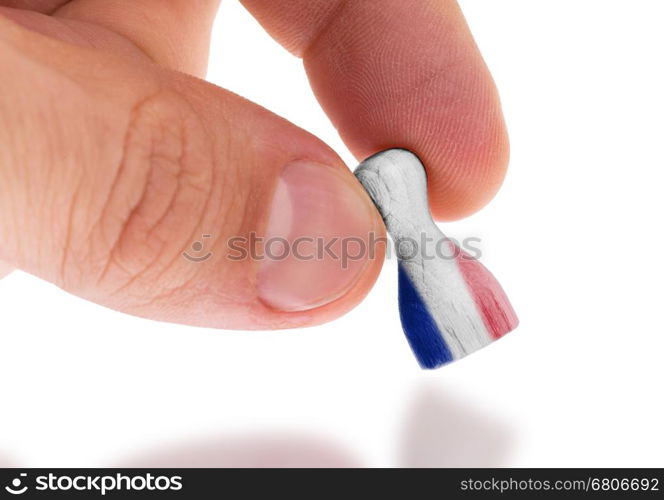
x: 317, y: 238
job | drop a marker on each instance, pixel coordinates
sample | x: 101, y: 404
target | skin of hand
x: 115, y: 156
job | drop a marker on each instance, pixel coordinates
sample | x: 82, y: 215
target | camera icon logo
x: 197, y: 248
x: 15, y: 487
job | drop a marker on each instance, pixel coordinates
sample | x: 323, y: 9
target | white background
x: 575, y: 237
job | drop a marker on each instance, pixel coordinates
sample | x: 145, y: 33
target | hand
x: 115, y: 159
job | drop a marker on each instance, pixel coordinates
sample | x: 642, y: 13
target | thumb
x: 163, y: 196
x: 5, y: 269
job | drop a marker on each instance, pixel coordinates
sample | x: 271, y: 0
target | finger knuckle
x: 159, y: 195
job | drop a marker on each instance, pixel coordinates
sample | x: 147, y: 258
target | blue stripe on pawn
x: 421, y: 331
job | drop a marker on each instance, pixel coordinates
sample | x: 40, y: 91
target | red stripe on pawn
x: 490, y: 299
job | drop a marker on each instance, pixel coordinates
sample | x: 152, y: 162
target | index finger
x: 390, y: 74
